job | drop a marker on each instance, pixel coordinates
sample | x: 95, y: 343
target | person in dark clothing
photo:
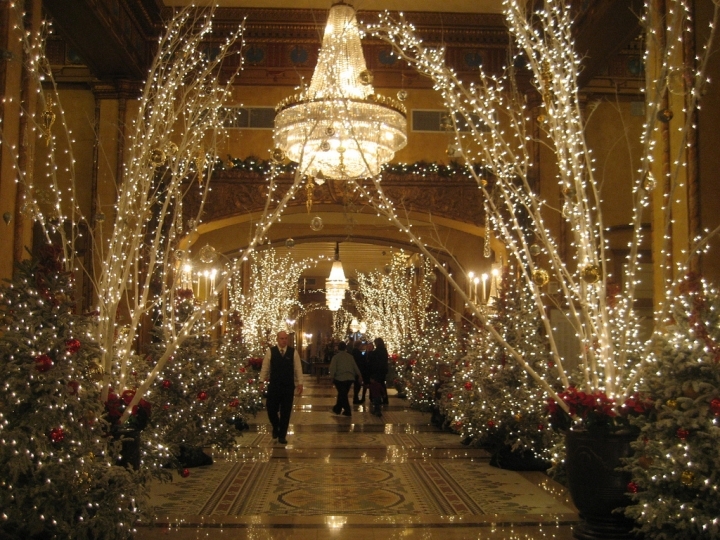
x: 359, y: 355
x: 281, y: 367
x: 376, y: 396
x: 378, y: 365
x: 343, y: 372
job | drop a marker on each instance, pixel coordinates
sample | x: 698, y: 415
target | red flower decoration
x: 167, y: 383
x: 57, y: 435
x: 468, y: 385
x: 185, y: 473
x: 43, y: 363
x: 715, y: 406
x: 127, y: 396
x: 632, y: 487
x: 234, y: 403
x: 72, y: 346
x: 74, y: 387
x: 682, y: 433
x: 202, y: 395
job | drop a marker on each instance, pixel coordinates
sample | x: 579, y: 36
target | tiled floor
x: 395, y: 477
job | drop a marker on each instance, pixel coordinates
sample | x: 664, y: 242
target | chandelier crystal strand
x: 339, y: 128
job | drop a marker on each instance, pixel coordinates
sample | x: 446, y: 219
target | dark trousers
x: 356, y: 390
x: 279, y: 407
x: 342, y: 404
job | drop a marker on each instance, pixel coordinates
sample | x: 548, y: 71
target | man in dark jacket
x: 361, y: 361
x: 282, y: 368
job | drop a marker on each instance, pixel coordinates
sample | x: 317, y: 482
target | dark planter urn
x: 129, y: 438
x: 596, y: 486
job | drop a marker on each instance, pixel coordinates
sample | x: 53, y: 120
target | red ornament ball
x: 202, y: 395
x: 234, y: 403
x: 715, y: 406
x: 682, y: 433
x: 185, y: 473
x: 632, y: 487
x: 242, y: 370
x: 541, y: 427
x: 43, y: 363
x: 468, y: 385
x: 491, y: 423
x: 72, y: 346
x: 74, y: 387
x: 167, y: 383
x: 57, y: 435
x: 449, y: 396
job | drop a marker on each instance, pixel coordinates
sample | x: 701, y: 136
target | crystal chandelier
x: 336, y: 284
x: 338, y: 128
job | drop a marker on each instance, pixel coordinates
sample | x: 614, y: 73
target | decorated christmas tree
x: 58, y: 472
x: 676, y: 462
x: 200, y: 397
x: 428, y: 358
x: 491, y: 399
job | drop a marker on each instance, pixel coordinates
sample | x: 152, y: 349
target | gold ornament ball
x: 208, y: 254
x: 366, y: 77
x: 665, y: 115
x: 687, y: 478
x: 157, y: 157
x: 171, y: 149
x: 325, y: 146
x: 316, y: 223
x: 672, y: 403
x: 402, y: 95
x: 289, y: 243
x: 590, y: 274
x: 541, y: 118
x: 330, y: 131
x: 278, y: 155
x: 535, y: 250
x: 569, y: 192
x: 540, y: 277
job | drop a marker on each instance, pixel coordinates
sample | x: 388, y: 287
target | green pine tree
x: 58, y: 477
x: 428, y: 356
x: 676, y: 464
x: 491, y: 400
x: 201, y: 398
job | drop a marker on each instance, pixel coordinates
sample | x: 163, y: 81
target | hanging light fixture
x: 338, y: 128
x: 336, y: 284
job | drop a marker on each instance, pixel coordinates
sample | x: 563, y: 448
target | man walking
x: 282, y: 368
x: 343, y: 371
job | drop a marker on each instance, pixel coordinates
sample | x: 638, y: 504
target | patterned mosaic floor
x: 389, y: 472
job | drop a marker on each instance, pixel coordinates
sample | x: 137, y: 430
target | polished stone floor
x: 394, y: 477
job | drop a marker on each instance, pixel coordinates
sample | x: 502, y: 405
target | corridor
x: 394, y: 477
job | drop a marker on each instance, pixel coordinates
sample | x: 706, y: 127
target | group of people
x: 366, y: 370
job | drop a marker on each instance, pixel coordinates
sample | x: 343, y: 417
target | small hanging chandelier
x: 338, y: 128
x: 336, y: 284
